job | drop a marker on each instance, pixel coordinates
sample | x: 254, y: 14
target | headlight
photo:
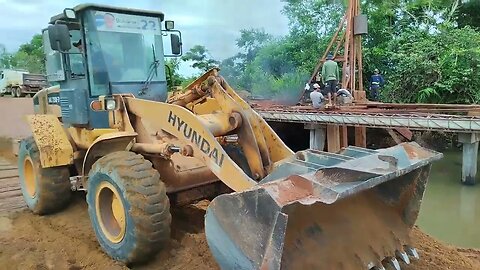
x: 110, y: 105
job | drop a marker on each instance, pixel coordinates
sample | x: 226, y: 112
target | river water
x: 450, y: 211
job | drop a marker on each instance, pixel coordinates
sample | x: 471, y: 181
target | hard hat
x: 316, y: 86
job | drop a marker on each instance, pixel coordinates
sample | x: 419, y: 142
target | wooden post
x: 317, y: 136
x: 343, y: 136
x: 361, y: 137
x: 333, y: 138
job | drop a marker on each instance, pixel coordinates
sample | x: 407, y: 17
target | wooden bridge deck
x: 10, y: 193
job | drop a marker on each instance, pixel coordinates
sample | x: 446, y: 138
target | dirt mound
x: 435, y: 255
x: 66, y: 241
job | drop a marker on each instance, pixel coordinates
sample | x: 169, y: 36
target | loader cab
x: 96, y: 50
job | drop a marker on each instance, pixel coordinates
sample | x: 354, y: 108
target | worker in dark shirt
x: 103, y: 64
x: 376, y: 83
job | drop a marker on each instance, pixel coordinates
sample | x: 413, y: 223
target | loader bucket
x: 318, y: 210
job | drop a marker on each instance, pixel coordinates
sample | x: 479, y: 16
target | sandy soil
x: 66, y: 241
x: 12, y: 111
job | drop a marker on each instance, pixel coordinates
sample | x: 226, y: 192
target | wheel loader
x: 109, y: 129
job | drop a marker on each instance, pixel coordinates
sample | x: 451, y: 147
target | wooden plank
x: 10, y: 194
x: 405, y: 132
x: 8, y: 167
x: 4, y: 162
x: 361, y: 137
x: 343, y: 136
x: 397, y: 138
x: 9, y: 181
x: 17, y: 203
x: 333, y: 138
x: 8, y: 173
x: 9, y: 188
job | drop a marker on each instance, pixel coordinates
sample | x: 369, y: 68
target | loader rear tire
x: 128, y: 207
x: 45, y: 190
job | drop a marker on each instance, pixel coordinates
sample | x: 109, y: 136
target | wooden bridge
x: 329, y: 127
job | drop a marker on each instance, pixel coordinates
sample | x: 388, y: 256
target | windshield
x: 122, y: 48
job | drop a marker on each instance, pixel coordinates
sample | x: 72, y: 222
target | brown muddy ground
x: 66, y: 241
x: 12, y: 111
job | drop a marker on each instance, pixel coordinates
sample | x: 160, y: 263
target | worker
x: 103, y: 64
x: 376, y: 83
x: 97, y: 55
x: 316, y: 97
x: 330, y: 75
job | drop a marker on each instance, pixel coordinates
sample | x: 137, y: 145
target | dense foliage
x: 427, y: 50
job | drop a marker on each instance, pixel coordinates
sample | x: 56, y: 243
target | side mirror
x: 176, y: 44
x: 59, y: 37
x: 69, y: 13
x: 169, y: 25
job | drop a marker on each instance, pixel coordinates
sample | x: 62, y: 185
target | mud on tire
x: 144, y: 203
x: 45, y: 190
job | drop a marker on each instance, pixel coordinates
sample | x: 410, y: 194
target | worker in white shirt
x: 316, y: 97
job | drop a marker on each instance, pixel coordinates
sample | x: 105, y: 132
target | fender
x: 52, y: 140
x: 105, y: 144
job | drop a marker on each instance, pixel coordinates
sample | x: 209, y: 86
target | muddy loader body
x: 113, y: 133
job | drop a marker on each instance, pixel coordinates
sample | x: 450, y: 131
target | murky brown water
x: 451, y: 211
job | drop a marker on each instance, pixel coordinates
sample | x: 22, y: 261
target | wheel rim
x: 29, y: 177
x: 110, y: 212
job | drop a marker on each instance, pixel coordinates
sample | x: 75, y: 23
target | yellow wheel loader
x: 108, y: 128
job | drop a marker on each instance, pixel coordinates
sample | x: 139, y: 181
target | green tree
x: 469, y: 14
x: 421, y: 46
x: 30, y: 56
x: 249, y: 43
x: 440, y: 68
x: 172, y: 67
x: 200, y: 58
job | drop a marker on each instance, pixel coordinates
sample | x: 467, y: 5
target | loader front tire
x: 45, y: 190
x: 128, y: 207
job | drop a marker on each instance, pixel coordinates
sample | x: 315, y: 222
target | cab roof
x: 107, y: 8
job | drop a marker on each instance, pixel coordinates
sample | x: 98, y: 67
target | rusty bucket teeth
x: 392, y: 263
x: 412, y: 252
x: 402, y: 256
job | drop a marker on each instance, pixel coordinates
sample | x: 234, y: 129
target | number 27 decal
x: 150, y: 25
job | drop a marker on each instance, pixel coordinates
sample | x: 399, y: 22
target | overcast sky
x: 212, y: 23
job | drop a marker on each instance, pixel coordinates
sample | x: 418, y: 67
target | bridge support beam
x: 317, y: 136
x: 470, y: 143
x: 333, y: 138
